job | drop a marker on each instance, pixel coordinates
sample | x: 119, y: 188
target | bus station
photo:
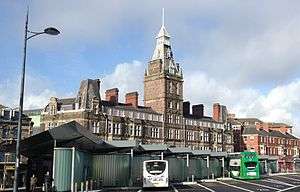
x: 79, y: 161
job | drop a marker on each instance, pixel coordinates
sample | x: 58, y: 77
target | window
x: 110, y: 128
x: 219, y: 138
x: 206, y: 137
x: 177, y: 119
x: 117, y: 128
x: 138, y: 130
x: 176, y: 134
x: 170, y: 118
x: 170, y: 105
x: 154, y: 132
x: 189, y: 135
x: 201, y: 135
x: 170, y: 87
x: 195, y: 136
x: 177, y: 106
x: 178, y: 89
x: 170, y: 134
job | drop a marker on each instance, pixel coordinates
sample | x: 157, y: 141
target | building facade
x: 267, y: 139
x: 163, y: 119
x: 8, y: 134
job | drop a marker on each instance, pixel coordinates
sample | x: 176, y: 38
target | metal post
x: 223, y: 167
x: 17, y: 161
x: 162, y: 155
x: 81, y: 186
x: 53, y: 164
x: 207, y: 165
x: 87, y: 186
x: 130, y: 168
x: 73, y: 169
x: 187, y: 165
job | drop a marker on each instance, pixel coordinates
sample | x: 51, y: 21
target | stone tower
x: 163, y: 80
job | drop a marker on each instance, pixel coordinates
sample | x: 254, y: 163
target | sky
x: 242, y: 54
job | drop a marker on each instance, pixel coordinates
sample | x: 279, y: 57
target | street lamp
x: 49, y: 31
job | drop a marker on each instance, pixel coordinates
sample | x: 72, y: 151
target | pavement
x: 279, y: 182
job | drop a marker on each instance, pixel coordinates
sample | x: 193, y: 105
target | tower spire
x: 163, y: 16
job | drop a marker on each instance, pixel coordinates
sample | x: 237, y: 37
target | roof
x: 204, y: 118
x: 276, y: 133
x: 251, y: 120
x: 2, y: 106
x: 201, y: 152
x: 288, y: 135
x: 128, y: 107
x: 182, y: 150
x: 32, y: 111
x: 71, y: 134
x: 163, y: 32
x: 153, y: 147
x: 66, y: 101
x: 218, y: 154
x: 250, y: 131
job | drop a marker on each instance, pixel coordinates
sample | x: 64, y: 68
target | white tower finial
x: 163, y: 16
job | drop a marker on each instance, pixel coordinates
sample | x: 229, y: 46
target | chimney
x: 186, y: 108
x: 112, y: 95
x: 198, y: 110
x: 216, y: 112
x: 132, y: 98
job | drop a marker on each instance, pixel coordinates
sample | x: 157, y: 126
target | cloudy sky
x: 243, y: 54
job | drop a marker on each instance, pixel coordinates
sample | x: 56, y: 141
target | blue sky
x: 243, y: 54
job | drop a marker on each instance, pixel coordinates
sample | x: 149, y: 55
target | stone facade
x: 162, y: 119
x: 8, y: 135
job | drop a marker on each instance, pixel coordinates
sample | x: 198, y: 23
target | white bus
x: 155, y: 173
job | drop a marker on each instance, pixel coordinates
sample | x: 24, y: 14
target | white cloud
x: 280, y: 104
x: 127, y: 77
x: 37, y: 92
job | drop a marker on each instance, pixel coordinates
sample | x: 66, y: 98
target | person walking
x: 33, y: 181
x: 48, y: 182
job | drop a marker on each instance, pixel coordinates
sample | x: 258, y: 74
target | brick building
x: 272, y: 139
x: 164, y: 118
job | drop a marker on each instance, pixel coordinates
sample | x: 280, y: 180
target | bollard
x: 81, y: 186
x: 87, y: 186
x: 188, y: 179
x: 193, y: 178
x: 213, y: 176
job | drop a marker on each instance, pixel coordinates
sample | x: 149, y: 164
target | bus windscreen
x: 155, y: 168
x: 250, y: 165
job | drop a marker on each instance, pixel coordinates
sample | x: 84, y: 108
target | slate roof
x: 66, y: 101
x: 251, y: 120
x: 204, y: 118
x: 128, y: 107
x: 71, y: 134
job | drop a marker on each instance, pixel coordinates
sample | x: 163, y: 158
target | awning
x: 71, y: 134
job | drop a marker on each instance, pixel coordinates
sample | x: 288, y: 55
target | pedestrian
x: 48, y: 182
x: 33, y: 181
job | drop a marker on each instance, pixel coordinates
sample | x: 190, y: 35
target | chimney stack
x: 216, y: 111
x: 198, y: 110
x: 132, y: 98
x: 186, y: 108
x: 112, y: 95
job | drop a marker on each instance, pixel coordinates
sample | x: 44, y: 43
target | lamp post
x: 49, y: 31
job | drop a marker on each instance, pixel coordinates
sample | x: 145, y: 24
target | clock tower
x: 163, y: 80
